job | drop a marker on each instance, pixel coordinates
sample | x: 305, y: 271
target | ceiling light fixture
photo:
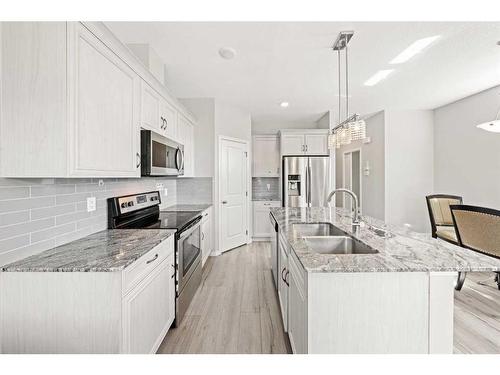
x: 413, y: 49
x: 377, y: 77
x: 352, y: 128
x: 491, y: 126
x: 284, y: 104
x: 227, y: 53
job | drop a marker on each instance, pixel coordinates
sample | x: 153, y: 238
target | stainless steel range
x: 142, y: 211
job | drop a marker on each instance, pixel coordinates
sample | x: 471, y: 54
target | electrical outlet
x: 159, y: 186
x: 268, y: 187
x: 101, y: 182
x: 91, y: 204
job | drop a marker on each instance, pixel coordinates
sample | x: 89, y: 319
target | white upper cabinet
x: 33, y: 118
x: 316, y: 144
x: 169, y: 120
x: 185, y: 136
x: 266, y: 156
x: 73, y: 100
x: 150, y: 108
x: 304, y: 142
x: 105, y: 96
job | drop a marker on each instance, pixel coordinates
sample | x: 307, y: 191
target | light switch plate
x: 159, y: 186
x: 268, y: 187
x: 91, y: 204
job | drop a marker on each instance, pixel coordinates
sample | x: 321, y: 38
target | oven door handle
x: 191, y: 228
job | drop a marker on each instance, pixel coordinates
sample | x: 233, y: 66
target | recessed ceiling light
x: 227, y: 53
x: 413, y: 49
x: 284, y: 104
x: 377, y: 77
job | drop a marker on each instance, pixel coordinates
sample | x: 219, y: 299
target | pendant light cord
x: 346, y: 80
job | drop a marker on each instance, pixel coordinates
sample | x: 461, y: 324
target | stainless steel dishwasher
x: 274, y: 249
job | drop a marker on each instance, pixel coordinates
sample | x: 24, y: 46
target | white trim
x: 249, y: 187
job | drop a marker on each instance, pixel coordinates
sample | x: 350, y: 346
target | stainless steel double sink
x: 325, y: 238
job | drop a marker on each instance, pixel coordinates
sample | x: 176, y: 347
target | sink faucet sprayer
x: 355, y: 214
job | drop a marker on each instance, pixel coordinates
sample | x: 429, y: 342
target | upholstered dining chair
x: 478, y: 229
x: 440, y: 215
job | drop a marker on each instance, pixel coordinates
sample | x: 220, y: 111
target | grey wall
x: 275, y: 127
x: 38, y: 214
x: 372, y: 186
x: 409, y: 164
x: 467, y: 159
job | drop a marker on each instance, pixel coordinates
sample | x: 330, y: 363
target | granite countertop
x: 271, y: 199
x: 400, y: 250
x: 188, y: 207
x: 106, y: 251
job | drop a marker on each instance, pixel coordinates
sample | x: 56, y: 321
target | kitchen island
x: 396, y: 298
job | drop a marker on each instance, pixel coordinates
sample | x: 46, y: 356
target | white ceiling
x: 293, y: 62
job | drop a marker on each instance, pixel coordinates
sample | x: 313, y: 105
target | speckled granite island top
x: 106, y: 251
x: 399, y: 250
x: 188, y: 207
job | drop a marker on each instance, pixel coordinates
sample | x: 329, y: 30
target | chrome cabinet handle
x: 174, y: 271
x: 152, y: 260
x: 224, y: 202
x: 282, y: 278
x: 286, y: 278
x: 138, y: 160
x: 206, y: 214
x: 202, y: 235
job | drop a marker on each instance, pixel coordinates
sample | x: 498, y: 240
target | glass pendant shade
x: 358, y: 130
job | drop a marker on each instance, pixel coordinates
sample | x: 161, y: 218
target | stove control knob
x: 130, y: 204
x: 123, y: 205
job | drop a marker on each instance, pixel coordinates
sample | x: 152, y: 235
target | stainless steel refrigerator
x: 306, y: 181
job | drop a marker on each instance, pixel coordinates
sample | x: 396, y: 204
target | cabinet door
x: 33, y: 123
x: 297, y: 311
x: 316, y: 144
x: 149, y: 310
x: 282, y: 285
x: 150, y: 108
x: 105, y: 103
x: 169, y: 114
x: 205, y: 240
x: 292, y: 144
x: 260, y: 222
x: 185, y: 136
x: 266, y: 156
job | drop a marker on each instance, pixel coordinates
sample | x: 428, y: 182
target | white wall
x: 275, y: 127
x: 467, y: 159
x: 373, y: 186
x: 235, y: 123
x: 409, y: 165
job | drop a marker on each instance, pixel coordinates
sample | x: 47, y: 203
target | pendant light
x: 352, y: 128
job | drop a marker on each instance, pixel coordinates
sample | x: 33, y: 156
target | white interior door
x: 233, y: 175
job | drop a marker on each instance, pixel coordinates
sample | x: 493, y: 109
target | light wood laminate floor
x: 236, y: 310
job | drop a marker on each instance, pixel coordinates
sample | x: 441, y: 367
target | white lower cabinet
x: 297, y: 308
x: 148, y: 310
x: 282, y: 282
x: 128, y: 311
x: 206, y: 234
x: 261, y: 227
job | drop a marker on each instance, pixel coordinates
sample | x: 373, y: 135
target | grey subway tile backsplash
x: 197, y: 190
x: 265, y: 188
x: 40, y: 213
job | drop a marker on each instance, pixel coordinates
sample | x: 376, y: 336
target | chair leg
x: 460, y: 280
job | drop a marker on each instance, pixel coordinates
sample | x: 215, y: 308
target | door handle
x: 224, y: 202
x: 138, y: 160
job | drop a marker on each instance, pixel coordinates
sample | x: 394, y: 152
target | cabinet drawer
x: 141, y: 268
x: 298, y: 272
x: 266, y: 204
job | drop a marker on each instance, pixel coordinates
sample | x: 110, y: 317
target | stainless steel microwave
x: 160, y: 156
